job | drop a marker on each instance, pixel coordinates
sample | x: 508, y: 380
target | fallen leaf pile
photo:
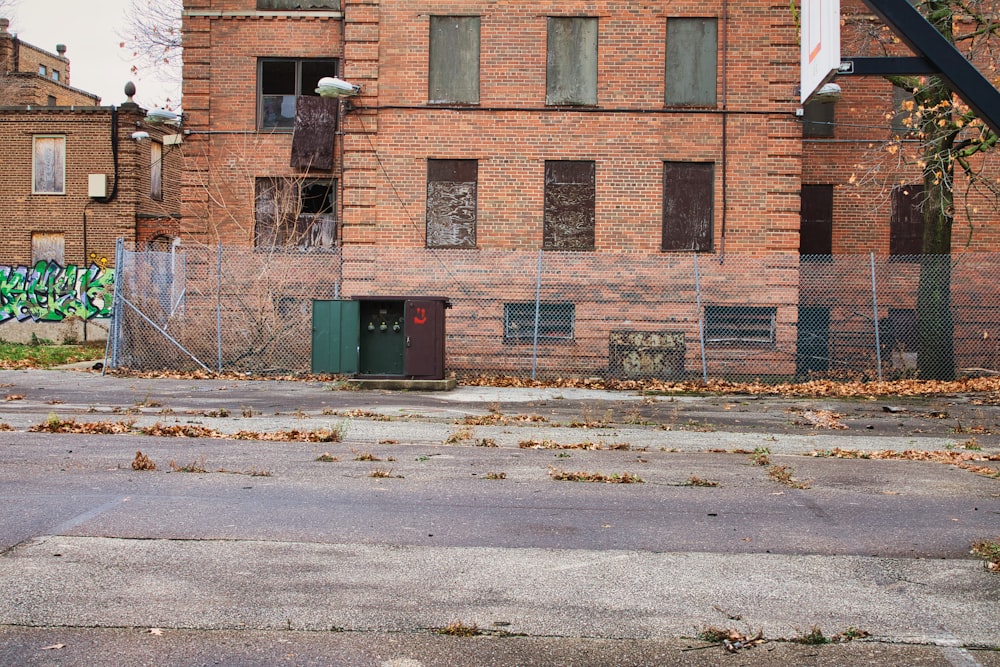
x: 958, y: 459
x: 616, y: 478
x: 72, y: 426
x: 551, y: 444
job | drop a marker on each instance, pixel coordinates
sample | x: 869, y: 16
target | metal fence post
x: 218, y: 306
x: 114, y: 328
x: 878, y: 343
x: 538, y: 306
x: 701, y: 321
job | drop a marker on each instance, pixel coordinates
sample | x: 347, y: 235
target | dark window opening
x: 818, y: 119
x: 282, y: 81
x: 740, y: 326
x: 556, y: 322
x: 906, y: 222
x: 816, y: 223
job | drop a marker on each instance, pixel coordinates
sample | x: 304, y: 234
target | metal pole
x: 112, y: 342
x: 538, y: 302
x: 701, y: 321
x: 218, y: 306
x: 878, y: 342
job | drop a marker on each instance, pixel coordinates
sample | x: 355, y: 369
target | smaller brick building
x: 77, y: 176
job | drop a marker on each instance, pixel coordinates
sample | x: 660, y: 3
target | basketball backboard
x: 820, y: 44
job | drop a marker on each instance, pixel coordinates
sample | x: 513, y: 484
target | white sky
x: 91, y: 31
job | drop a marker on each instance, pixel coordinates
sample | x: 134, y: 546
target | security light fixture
x: 332, y: 86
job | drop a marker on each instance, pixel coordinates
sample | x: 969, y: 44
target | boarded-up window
x: 571, y: 61
x: 298, y: 4
x: 527, y: 321
x: 315, y: 129
x: 453, y: 72
x: 451, y: 203
x: 49, y: 167
x: 156, y: 170
x: 816, y: 222
x: 688, y: 206
x: 48, y: 247
x: 903, y: 117
x: 292, y: 214
x: 906, y: 221
x: 570, y: 199
x: 691, y: 62
x: 281, y: 82
x: 818, y: 119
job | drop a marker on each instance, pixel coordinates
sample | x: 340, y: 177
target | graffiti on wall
x: 49, y: 292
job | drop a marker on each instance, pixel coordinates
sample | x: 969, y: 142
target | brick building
x: 599, y: 131
x: 74, y: 180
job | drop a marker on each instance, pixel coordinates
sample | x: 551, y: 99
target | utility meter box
x: 380, y: 337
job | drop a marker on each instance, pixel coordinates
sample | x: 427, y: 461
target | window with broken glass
x: 295, y: 214
x: 452, y: 187
x: 570, y: 200
x: 281, y: 81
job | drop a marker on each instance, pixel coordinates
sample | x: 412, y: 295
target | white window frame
x: 58, y: 167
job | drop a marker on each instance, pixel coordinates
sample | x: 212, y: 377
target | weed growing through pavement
x: 197, y: 465
x: 142, y: 462
x: 246, y: 411
x: 761, y: 456
x: 486, y: 442
x: 783, y: 475
x: 496, y: 475
x: 459, y: 435
x: 615, y: 478
x: 383, y: 473
x: 459, y: 629
x: 327, y: 457
x: 989, y: 551
x: 694, y: 480
x: 364, y: 456
x: 220, y: 412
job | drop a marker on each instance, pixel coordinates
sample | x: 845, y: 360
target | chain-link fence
x: 573, y: 314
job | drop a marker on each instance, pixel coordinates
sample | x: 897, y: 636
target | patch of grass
x: 142, y: 462
x: 41, y: 355
x: 694, y: 480
x: 327, y: 457
x: 988, y: 551
x: 783, y: 475
x: 459, y: 629
x: 615, y: 478
x: 814, y: 637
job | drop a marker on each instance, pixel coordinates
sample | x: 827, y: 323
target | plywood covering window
x: 570, y: 199
x: 49, y: 168
x: 295, y: 214
x: 688, y: 206
x: 48, y: 247
x: 691, y: 62
x: 280, y: 83
x: 453, y: 71
x: 571, y: 61
x: 816, y: 222
x: 452, y: 187
x: 906, y: 221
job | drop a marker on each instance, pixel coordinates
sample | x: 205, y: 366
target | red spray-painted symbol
x: 421, y: 316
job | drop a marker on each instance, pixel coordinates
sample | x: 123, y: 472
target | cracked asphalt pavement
x: 438, y: 509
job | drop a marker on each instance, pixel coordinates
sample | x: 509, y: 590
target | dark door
x: 424, y: 339
x: 813, y: 352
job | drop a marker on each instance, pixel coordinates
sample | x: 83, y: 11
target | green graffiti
x: 49, y: 292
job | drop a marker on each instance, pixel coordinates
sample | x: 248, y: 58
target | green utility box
x: 380, y: 337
